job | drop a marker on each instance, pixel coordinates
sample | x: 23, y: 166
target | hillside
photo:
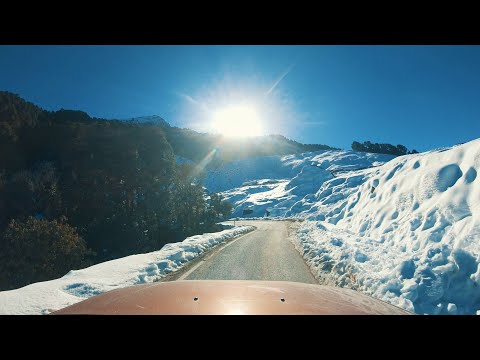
x: 75, y: 190
x: 197, y: 146
x: 286, y: 185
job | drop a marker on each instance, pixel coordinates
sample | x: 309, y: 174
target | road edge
x: 192, y: 265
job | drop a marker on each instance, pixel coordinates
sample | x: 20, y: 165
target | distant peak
x: 152, y: 119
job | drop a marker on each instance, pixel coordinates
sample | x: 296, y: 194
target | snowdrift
x: 407, y: 232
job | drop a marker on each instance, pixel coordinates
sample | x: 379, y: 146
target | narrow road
x: 264, y: 254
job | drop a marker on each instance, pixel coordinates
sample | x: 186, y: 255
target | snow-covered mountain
x: 287, y: 185
x: 405, y: 230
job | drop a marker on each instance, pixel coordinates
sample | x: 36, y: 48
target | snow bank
x: 407, y: 232
x: 77, y: 285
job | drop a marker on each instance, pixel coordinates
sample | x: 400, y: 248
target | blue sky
x: 420, y: 96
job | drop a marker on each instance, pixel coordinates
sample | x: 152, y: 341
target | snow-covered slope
x: 405, y: 230
x: 77, y: 285
x: 285, y: 185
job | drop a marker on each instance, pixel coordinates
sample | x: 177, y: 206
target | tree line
x: 389, y: 149
x: 76, y: 190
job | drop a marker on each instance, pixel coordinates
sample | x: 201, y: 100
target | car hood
x: 202, y: 297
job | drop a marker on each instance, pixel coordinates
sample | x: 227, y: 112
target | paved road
x: 264, y: 254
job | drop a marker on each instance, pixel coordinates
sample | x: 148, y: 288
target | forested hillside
x: 196, y: 146
x: 75, y: 190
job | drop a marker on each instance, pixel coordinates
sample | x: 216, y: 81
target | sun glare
x: 237, y: 121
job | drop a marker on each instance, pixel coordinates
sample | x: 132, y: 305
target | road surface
x: 264, y: 254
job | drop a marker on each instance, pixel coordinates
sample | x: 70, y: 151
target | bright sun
x: 237, y: 121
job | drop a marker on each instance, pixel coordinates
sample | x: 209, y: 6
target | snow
x: 403, y: 229
x: 407, y: 233
x: 284, y: 185
x: 77, y: 285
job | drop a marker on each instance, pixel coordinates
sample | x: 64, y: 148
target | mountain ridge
x: 17, y: 113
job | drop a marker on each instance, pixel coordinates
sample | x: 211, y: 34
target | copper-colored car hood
x: 200, y: 297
